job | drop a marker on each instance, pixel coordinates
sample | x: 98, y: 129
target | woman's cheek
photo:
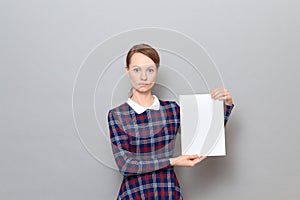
x: 133, y: 81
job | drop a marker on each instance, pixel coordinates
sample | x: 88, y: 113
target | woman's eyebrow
x: 136, y: 66
x: 142, y: 66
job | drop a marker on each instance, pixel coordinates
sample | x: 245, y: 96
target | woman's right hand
x: 186, y: 160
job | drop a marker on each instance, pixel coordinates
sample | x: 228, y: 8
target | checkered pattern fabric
x: 142, y: 145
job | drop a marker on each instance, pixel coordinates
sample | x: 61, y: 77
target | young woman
x: 143, y: 132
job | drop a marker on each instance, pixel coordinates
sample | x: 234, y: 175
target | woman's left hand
x: 222, y: 94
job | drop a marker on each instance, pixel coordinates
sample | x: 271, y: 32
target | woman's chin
x: 144, y: 89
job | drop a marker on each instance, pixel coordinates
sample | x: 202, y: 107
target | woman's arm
x: 186, y: 160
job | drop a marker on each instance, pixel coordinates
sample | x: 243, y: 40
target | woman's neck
x: 144, y: 100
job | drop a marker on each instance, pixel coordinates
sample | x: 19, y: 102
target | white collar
x: 139, y: 109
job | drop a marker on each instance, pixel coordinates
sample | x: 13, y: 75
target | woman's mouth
x: 143, y: 84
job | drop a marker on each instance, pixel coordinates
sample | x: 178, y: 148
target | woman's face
x: 142, y: 72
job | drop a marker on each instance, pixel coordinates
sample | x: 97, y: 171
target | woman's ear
x: 127, y: 70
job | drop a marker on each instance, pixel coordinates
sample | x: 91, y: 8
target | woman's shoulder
x: 171, y: 107
x: 168, y: 103
x: 119, y: 109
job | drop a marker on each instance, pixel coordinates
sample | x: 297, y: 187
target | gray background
x: 254, y: 43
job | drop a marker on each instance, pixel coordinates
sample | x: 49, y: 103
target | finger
x: 214, y: 92
x: 221, y: 92
x: 203, y: 157
x: 221, y: 98
x: 198, y: 160
x: 217, y: 92
x: 222, y: 95
x: 218, y: 96
x: 193, y: 156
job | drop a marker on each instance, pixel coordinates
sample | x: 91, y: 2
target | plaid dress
x: 142, y: 145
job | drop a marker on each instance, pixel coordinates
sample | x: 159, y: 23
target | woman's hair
x: 145, y: 49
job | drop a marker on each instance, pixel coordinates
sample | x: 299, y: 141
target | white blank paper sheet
x: 202, y: 125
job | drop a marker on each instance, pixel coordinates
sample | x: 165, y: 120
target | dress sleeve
x: 227, y: 112
x: 130, y: 163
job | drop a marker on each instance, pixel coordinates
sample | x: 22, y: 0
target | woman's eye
x: 136, y: 70
x: 151, y: 70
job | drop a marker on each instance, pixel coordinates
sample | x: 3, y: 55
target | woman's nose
x: 143, y: 75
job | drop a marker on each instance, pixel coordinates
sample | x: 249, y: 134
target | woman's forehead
x: 139, y: 59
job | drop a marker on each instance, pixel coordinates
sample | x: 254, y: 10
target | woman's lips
x: 143, y: 84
